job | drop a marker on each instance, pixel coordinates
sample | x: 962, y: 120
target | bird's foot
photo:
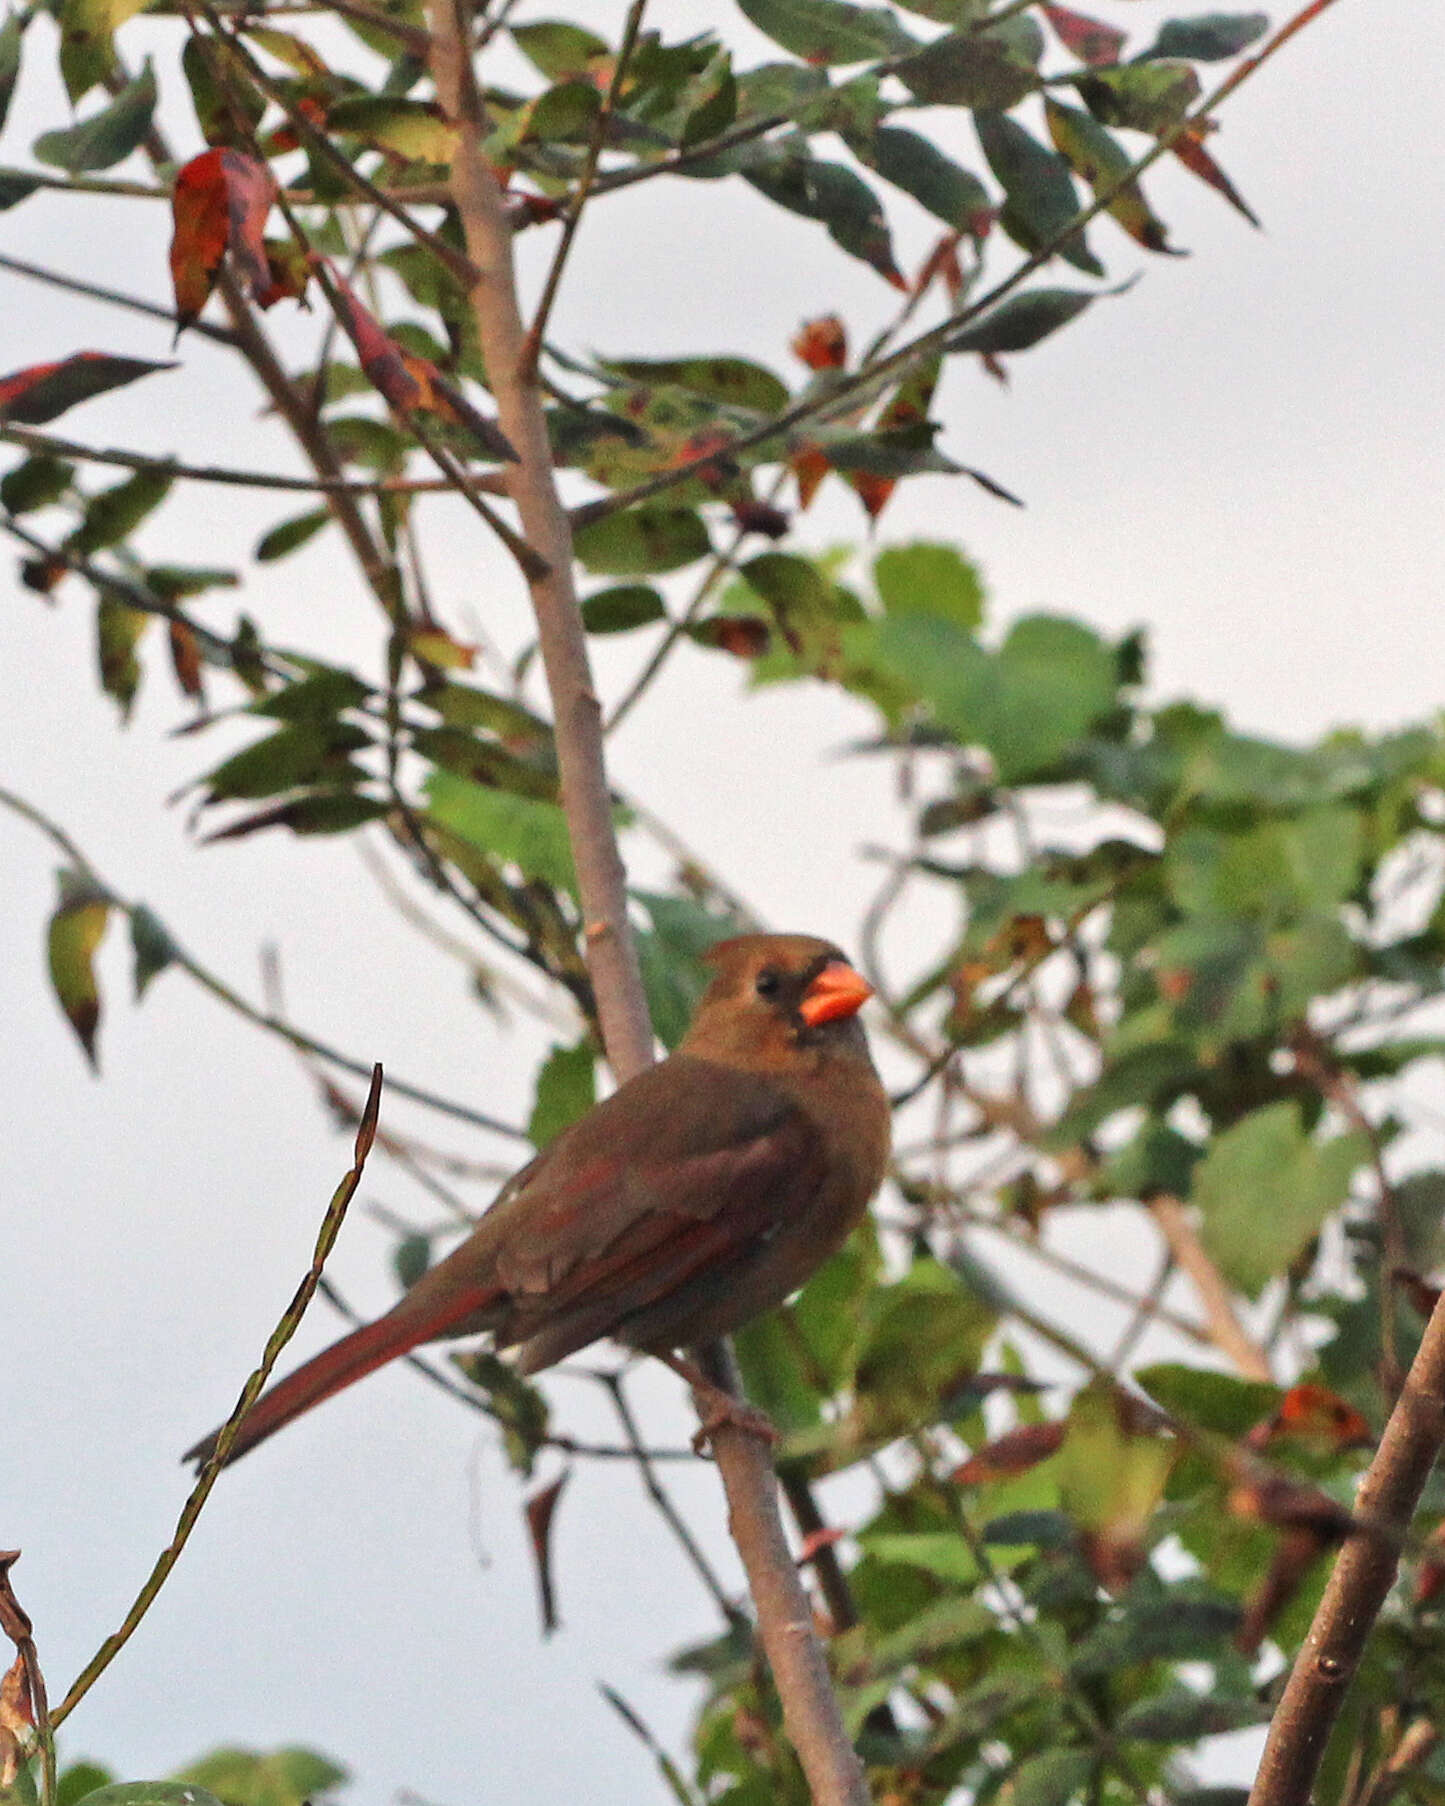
x: 718, y: 1409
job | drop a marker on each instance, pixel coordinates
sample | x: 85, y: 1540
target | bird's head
x: 774, y: 993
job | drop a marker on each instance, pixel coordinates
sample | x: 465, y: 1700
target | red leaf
x: 1189, y: 148
x: 822, y: 344
x: 1313, y: 1414
x: 744, y: 636
x: 942, y: 265
x: 40, y: 392
x: 409, y: 381
x: 1090, y: 39
x: 755, y: 516
x: 809, y: 467
x: 186, y: 658
x: 220, y: 204
x: 872, y: 490
x: 1010, y: 1454
x: 540, y: 1508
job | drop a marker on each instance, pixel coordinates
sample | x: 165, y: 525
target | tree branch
x: 785, y: 1620
x: 1362, y: 1577
x: 1226, y: 1331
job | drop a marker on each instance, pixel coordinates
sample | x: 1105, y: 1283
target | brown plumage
x: 696, y: 1197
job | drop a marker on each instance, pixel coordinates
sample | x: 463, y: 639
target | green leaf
x: 325, y: 693
x: 929, y: 579
x: 107, y: 137
x: 1145, y: 97
x: 36, y: 483
x: 1097, y: 156
x: 833, y: 195
x: 285, y: 1777
x: 1022, y: 321
x: 412, y: 129
x: 118, y: 630
x: 734, y: 381
x: 558, y: 49
x: 1180, y: 1716
x: 1216, y: 1402
x: 805, y: 606
x: 566, y: 1091
x: 826, y: 32
x: 994, y: 69
x: 913, y: 163
x: 10, y: 35
x: 1173, y: 1624
x: 16, y: 186
x: 643, y: 541
x: 79, y: 1779
x: 311, y: 752
x: 519, y: 830
x: 1027, y: 704
x: 1265, y: 1189
x: 152, y: 946
x: 290, y: 535
x: 150, y: 1793
x: 114, y: 514
x: 75, y: 931
x: 320, y: 812
x: 621, y: 608
x: 941, y: 1553
x: 1209, y: 37
x: 1051, y: 1778
x: 673, y: 973
x: 87, y: 48
x: 1041, y: 198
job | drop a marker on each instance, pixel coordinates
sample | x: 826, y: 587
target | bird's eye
x: 766, y: 983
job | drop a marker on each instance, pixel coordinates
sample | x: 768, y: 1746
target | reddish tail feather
x: 335, y: 1368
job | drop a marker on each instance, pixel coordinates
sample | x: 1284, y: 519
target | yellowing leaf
x: 75, y: 932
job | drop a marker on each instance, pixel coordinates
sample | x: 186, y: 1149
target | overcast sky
x: 1242, y: 453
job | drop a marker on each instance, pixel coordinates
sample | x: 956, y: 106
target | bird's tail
x: 350, y: 1359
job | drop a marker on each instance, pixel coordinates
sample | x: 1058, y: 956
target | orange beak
x: 837, y: 991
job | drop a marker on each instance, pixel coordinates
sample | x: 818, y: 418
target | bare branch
x: 1225, y: 1329
x: 1362, y: 1577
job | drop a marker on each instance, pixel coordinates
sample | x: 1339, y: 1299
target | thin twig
x: 580, y: 194
x: 211, y: 1468
x: 233, y: 1000
x: 73, y: 285
x: 1226, y: 1331
x: 48, y: 445
x: 671, y: 1516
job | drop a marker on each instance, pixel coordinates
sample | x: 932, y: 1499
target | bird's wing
x: 684, y: 1165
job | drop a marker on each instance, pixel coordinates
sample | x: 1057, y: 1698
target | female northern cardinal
x: 697, y: 1196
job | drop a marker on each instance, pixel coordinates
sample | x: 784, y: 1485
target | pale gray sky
x: 1243, y: 453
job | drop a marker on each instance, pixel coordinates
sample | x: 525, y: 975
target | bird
x: 699, y: 1195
